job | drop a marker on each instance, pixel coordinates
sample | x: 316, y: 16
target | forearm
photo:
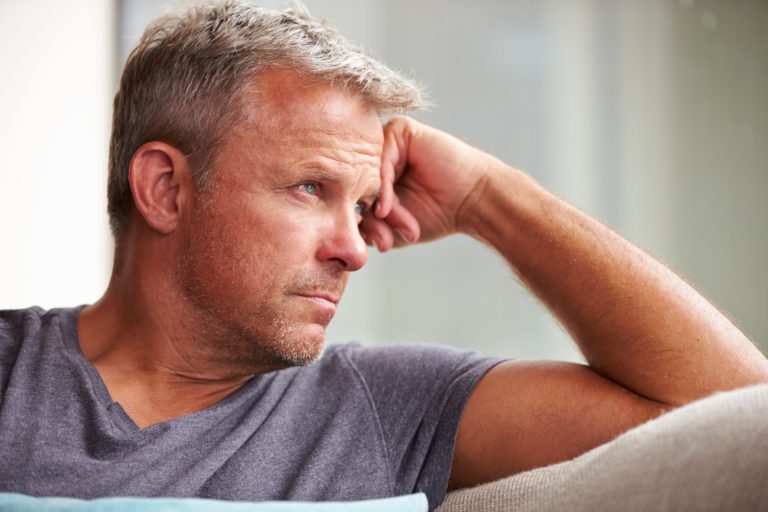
x: 635, y: 321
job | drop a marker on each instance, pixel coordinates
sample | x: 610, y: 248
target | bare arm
x: 651, y: 341
x: 636, y: 322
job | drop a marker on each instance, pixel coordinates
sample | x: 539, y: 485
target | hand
x: 428, y: 181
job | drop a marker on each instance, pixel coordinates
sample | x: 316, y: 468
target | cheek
x: 239, y: 245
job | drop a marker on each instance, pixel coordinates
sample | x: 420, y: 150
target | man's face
x: 271, y: 240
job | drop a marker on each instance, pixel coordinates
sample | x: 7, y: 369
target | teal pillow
x: 17, y: 502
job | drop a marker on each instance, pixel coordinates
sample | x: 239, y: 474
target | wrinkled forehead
x: 282, y: 103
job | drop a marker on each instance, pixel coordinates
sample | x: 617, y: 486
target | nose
x: 342, y: 244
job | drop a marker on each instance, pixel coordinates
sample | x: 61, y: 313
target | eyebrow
x: 320, y: 174
x: 323, y: 175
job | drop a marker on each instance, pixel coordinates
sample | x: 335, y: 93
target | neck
x: 146, y: 344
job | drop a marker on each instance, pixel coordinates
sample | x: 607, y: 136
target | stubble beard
x: 288, y: 344
x: 246, y: 336
x: 257, y: 339
x: 248, y: 328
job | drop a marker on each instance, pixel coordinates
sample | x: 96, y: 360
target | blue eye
x: 309, y: 188
x: 361, y: 208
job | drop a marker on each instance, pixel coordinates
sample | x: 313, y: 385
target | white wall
x: 55, y: 99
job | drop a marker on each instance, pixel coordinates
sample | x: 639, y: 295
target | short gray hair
x: 183, y: 83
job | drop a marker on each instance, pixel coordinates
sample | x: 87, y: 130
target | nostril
x: 341, y: 262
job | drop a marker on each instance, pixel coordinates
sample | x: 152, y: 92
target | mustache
x: 330, y: 282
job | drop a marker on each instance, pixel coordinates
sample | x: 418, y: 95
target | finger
x: 378, y: 232
x: 400, y: 128
x: 398, y: 229
x: 403, y: 223
x: 384, y: 202
x: 390, y: 155
x: 393, y: 163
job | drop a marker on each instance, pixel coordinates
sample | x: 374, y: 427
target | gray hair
x: 184, y: 82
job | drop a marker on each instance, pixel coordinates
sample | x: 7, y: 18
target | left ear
x: 161, y: 182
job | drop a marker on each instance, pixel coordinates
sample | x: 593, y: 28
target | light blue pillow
x: 18, y: 502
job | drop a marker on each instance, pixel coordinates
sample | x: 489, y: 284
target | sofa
x: 711, y: 455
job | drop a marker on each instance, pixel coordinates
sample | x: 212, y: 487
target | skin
x: 651, y: 341
x: 211, y: 288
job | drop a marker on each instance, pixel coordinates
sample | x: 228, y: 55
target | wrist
x: 499, y: 196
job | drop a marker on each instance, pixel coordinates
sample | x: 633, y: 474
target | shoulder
x: 413, y: 361
x: 418, y: 393
x: 17, y: 324
x: 21, y: 326
x: 403, y: 355
x: 10, y: 318
x: 397, y: 374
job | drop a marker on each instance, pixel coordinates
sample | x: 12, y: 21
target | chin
x: 302, y: 348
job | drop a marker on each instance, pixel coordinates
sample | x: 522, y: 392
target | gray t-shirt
x: 360, y: 423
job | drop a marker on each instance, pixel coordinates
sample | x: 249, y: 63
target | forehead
x: 282, y: 104
x: 292, y: 125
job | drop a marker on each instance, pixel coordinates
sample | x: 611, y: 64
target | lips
x: 324, y: 301
x: 320, y: 294
x: 326, y: 296
x: 323, y: 304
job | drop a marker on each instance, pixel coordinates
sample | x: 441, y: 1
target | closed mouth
x: 334, y: 299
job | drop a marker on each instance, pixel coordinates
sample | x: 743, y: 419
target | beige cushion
x: 709, y: 455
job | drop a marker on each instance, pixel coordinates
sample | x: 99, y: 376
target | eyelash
x: 361, y: 208
x: 316, y: 185
x: 364, y: 208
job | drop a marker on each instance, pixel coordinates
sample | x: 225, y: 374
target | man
x: 248, y: 169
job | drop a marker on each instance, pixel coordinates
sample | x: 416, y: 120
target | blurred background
x: 650, y: 115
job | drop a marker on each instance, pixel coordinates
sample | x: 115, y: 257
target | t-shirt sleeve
x: 419, y: 393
